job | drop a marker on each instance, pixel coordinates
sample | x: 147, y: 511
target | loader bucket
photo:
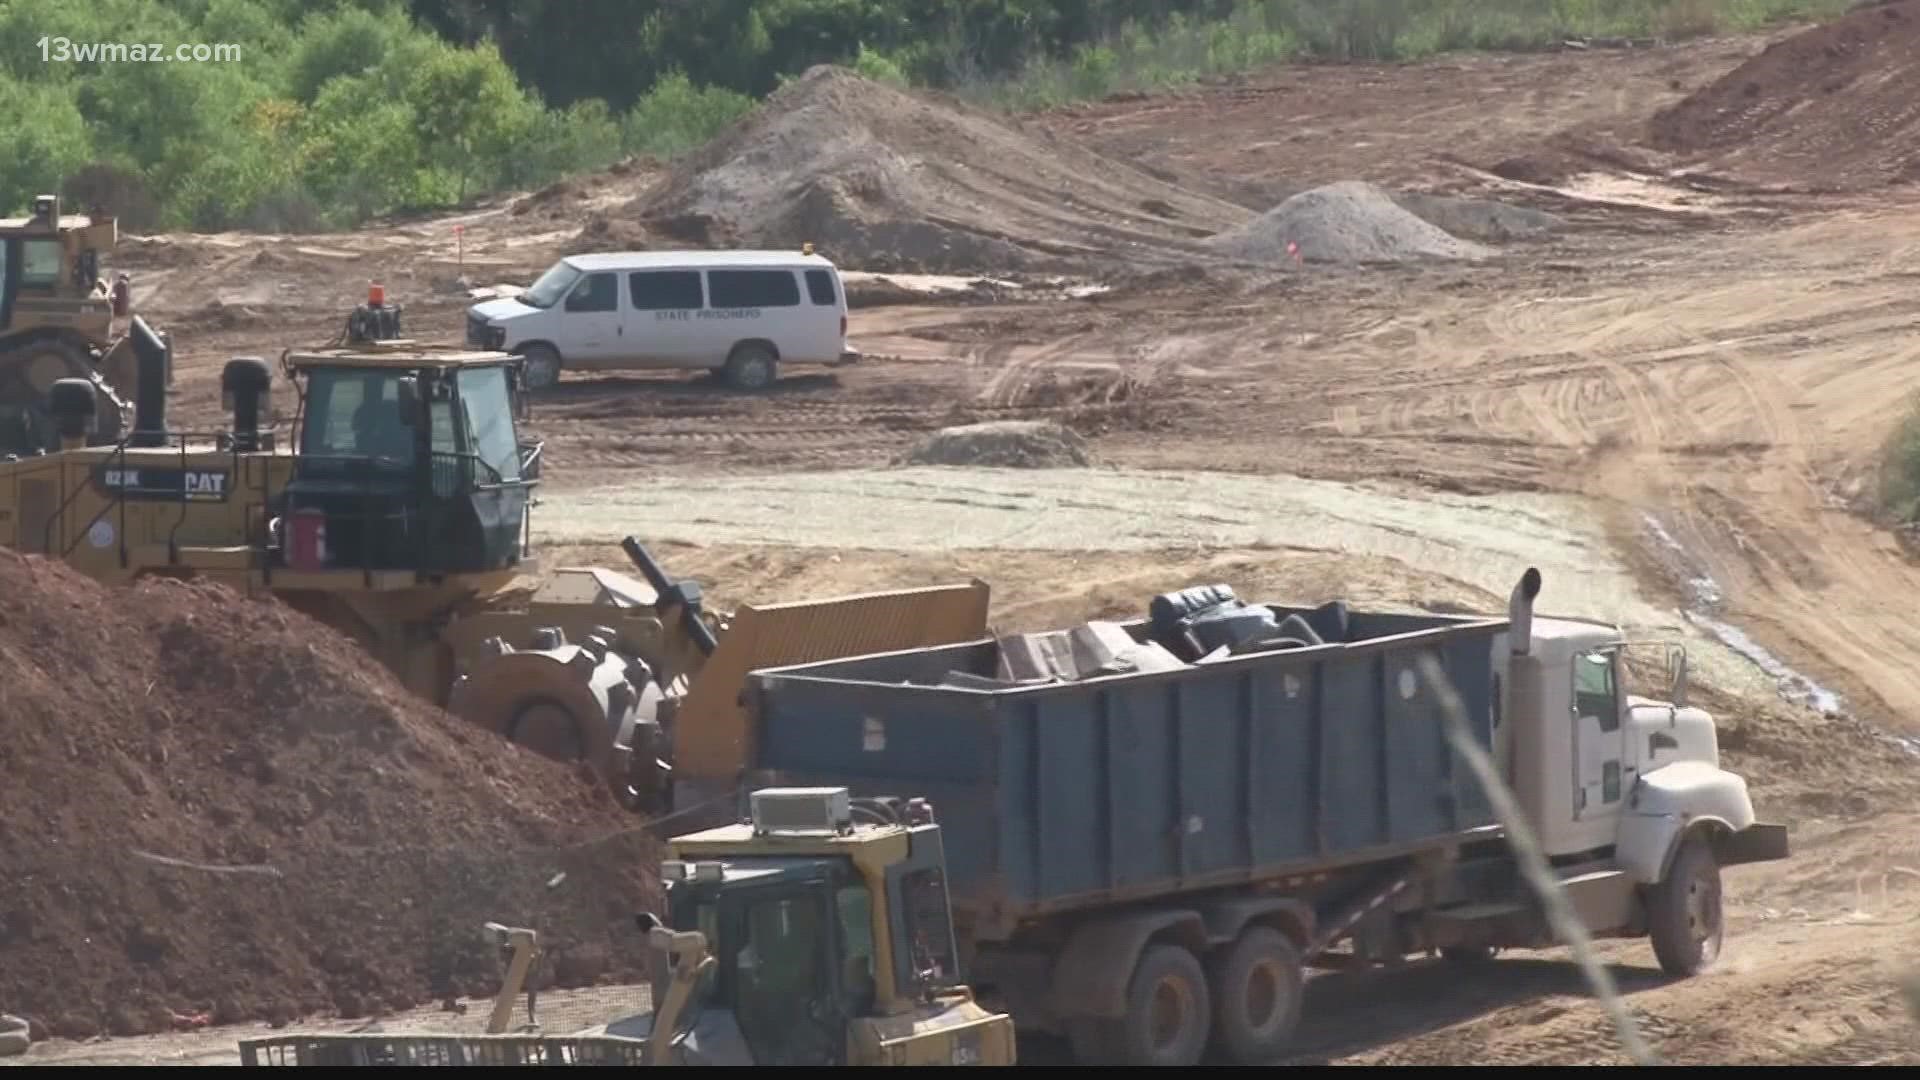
x: 712, y: 739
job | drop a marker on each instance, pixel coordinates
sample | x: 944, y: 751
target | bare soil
x: 1347, y: 222
x: 885, y: 179
x: 1834, y: 108
x: 219, y: 812
x: 1693, y: 362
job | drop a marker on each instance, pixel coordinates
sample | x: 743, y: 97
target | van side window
x: 665, y: 290
x: 820, y: 288
x: 752, y: 288
x: 596, y: 292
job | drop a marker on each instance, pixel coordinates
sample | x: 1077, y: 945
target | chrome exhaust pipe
x: 1520, y: 612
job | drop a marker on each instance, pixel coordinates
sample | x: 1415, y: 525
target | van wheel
x: 540, y: 367
x: 751, y: 367
x: 1684, y: 913
x: 1256, y: 986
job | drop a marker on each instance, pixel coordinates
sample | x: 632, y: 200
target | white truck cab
x: 1625, y: 794
x: 744, y: 313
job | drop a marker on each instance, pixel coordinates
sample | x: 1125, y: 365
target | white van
x: 743, y: 312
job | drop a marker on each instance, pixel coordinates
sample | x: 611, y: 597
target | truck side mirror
x: 1679, y: 694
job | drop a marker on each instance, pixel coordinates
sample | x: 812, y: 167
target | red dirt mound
x: 214, y: 805
x: 1834, y: 107
x: 882, y: 179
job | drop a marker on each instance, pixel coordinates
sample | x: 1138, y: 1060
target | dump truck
x: 1149, y: 862
x: 814, y: 932
x: 57, y: 312
x: 399, y: 511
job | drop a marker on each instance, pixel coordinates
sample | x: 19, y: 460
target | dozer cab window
x: 356, y: 414
x: 488, y: 405
x: 855, y: 906
x: 780, y: 979
x: 927, y: 925
x: 40, y: 264
x: 795, y: 958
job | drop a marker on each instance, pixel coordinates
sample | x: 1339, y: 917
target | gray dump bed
x: 1081, y: 794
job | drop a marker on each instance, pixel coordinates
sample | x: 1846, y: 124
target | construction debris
x: 1198, y: 625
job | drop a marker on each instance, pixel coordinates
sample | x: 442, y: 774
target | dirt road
x: 1672, y: 405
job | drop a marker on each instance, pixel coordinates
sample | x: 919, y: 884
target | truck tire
x: 1683, y: 910
x: 1256, y: 986
x: 1166, y: 1022
x: 751, y: 366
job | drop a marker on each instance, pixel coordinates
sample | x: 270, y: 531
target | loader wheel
x: 1167, y: 1015
x: 1256, y: 986
x: 1684, y: 913
x: 547, y: 729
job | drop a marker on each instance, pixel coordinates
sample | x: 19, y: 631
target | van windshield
x: 551, y: 286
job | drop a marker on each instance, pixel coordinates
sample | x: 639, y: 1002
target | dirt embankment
x: 217, y: 809
x: 1836, y: 107
x: 884, y: 179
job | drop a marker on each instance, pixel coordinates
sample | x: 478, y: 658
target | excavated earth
x: 1671, y: 388
x: 883, y: 179
x: 218, y: 810
x: 1835, y: 108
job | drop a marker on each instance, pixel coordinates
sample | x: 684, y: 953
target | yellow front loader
x: 399, y: 512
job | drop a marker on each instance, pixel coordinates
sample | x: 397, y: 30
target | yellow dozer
x: 400, y: 513
x: 817, y: 932
x: 57, y: 312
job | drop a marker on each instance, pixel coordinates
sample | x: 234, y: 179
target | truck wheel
x: 1683, y: 910
x: 1256, y: 987
x: 1167, y: 1015
x: 540, y: 367
x: 751, y: 367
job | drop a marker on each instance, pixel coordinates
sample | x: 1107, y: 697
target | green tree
x: 47, y: 138
x: 470, y: 112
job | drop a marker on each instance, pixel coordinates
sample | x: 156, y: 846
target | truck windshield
x: 547, y: 290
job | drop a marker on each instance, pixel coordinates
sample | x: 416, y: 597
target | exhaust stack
x: 1520, y: 611
x: 73, y: 404
x: 150, y: 401
x: 244, y: 384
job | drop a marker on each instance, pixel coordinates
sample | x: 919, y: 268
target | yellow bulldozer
x: 400, y: 511
x: 817, y: 932
x: 57, y: 312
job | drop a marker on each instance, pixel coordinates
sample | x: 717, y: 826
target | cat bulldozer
x: 57, y: 313
x: 816, y: 932
x: 399, y: 512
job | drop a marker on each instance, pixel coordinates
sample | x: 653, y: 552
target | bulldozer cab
x: 55, y: 312
x: 834, y: 941
x: 50, y: 271
x: 408, y: 459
